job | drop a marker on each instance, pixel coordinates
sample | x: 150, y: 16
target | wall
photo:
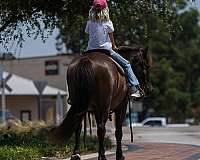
x: 15, y: 104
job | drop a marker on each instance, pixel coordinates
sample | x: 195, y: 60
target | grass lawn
x: 27, y: 143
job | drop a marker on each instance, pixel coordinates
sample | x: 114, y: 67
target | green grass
x: 27, y: 143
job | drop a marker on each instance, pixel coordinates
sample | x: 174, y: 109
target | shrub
x: 28, y: 142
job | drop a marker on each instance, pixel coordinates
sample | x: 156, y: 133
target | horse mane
x: 130, y: 53
x: 126, y: 50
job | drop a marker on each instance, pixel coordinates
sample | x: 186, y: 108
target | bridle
x: 145, y: 66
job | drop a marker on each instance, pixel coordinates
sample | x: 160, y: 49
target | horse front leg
x: 76, y: 152
x: 120, y: 115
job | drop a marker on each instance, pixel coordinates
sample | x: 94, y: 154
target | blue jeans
x: 126, y: 66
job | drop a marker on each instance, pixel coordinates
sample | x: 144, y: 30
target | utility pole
x: 3, y: 85
x: 40, y: 85
x: 59, y: 108
x: 3, y: 104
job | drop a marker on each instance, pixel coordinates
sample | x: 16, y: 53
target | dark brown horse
x: 97, y: 86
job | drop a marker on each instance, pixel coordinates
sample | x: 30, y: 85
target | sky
x: 32, y: 48
x: 38, y: 48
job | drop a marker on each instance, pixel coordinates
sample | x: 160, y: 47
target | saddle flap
x: 119, y: 68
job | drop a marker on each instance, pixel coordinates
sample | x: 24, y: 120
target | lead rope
x: 85, y: 130
x: 130, y: 111
x: 89, y: 118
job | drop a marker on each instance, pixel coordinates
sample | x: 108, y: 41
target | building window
x: 51, y: 67
x: 25, y: 116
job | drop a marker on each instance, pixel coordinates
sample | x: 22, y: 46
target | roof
x: 39, y: 57
x: 24, y: 86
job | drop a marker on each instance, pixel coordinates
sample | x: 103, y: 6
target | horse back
x: 109, y: 87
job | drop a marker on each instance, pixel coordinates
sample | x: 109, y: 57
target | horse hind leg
x: 76, y: 152
x: 101, y: 131
x: 120, y: 115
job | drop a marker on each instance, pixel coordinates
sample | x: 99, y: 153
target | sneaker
x: 137, y: 92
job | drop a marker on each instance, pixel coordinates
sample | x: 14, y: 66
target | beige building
x: 42, y: 71
x: 51, y: 69
x: 24, y: 101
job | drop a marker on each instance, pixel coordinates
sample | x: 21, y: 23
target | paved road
x: 152, y: 143
x: 180, y: 135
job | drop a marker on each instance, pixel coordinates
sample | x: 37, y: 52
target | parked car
x: 157, y: 122
x: 152, y: 122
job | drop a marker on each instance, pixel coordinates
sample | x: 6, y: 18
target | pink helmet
x: 100, y: 4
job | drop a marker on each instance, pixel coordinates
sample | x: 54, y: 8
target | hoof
x: 102, y: 158
x: 121, y: 158
x: 75, y: 157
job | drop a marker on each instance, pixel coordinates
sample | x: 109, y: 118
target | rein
x: 145, y: 66
x: 130, y: 119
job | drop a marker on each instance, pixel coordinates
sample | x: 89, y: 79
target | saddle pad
x: 107, y: 52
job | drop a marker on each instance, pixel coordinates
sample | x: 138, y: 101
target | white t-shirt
x: 98, y: 34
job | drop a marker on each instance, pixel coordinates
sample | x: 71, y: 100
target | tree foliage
x: 177, y: 70
x: 28, y: 17
x: 39, y: 18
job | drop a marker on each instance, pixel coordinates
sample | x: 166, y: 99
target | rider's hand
x: 115, y: 48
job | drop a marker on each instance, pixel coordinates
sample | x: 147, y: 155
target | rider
x: 100, y: 29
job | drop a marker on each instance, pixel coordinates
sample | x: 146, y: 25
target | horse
x: 96, y: 85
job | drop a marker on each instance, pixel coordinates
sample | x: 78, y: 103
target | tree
x: 176, y: 73
x: 39, y: 18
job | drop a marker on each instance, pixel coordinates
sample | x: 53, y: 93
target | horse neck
x: 129, y: 55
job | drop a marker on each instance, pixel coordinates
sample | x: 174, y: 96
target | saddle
x: 107, y: 52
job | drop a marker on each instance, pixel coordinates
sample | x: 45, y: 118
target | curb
x: 93, y: 156
x: 83, y: 157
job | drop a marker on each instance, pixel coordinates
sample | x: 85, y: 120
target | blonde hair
x: 102, y: 15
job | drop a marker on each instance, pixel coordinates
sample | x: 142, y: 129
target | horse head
x: 140, y: 61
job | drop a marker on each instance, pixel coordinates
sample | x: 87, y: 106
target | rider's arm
x: 112, y: 41
x: 87, y: 27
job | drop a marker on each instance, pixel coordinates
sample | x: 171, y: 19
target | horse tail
x: 84, y: 79
x: 62, y: 133
x: 81, y: 80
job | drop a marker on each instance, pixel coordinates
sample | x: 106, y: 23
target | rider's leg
x: 136, y: 91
